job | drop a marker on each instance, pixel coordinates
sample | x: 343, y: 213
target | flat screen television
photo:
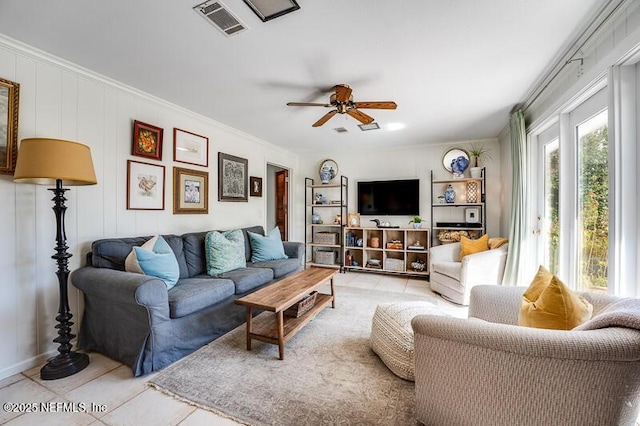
x: 389, y: 197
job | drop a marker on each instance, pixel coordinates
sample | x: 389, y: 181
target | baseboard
x: 27, y: 364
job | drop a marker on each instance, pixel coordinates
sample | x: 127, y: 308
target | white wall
x: 60, y: 100
x: 406, y: 163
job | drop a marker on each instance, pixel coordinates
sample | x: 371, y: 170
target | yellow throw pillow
x: 496, y: 242
x: 469, y: 246
x: 549, y: 303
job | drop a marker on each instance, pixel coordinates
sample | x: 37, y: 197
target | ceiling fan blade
x: 360, y: 116
x: 325, y: 118
x: 376, y: 105
x: 343, y: 93
x: 308, y: 104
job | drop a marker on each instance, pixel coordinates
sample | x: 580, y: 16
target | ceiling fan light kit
x: 342, y: 101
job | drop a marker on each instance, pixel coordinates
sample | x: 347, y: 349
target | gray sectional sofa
x: 134, y: 319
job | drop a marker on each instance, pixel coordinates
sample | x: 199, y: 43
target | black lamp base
x: 64, y: 365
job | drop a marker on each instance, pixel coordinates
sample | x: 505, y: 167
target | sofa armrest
x: 486, y: 267
x: 294, y: 250
x: 612, y: 344
x: 122, y: 287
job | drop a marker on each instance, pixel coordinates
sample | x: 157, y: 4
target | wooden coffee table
x: 279, y: 296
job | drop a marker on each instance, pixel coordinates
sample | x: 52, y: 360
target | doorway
x: 278, y: 199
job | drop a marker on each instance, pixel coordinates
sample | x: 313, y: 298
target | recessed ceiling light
x: 370, y: 126
x: 395, y: 126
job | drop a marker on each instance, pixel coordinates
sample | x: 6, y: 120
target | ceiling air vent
x: 370, y: 126
x: 219, y: 16
x: 340, y: 130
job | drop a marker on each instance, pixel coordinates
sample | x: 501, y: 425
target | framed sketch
x: 232, y: 178
x: 147, y: 140
x: 190, y: 191
x: 255, y: 186
x: 145, y: 186
x: 190, y: 148
x: 9, y: 100
x: 354, y: 220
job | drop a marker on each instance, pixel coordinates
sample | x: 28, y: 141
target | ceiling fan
x: 342, y: 101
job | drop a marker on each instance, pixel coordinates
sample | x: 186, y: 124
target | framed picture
x: 190, y: 148
x: 147, y: 140
x: 472, y: 215
x: 190, y: 191
x: 145, y: 186
x: 354, y: 220
x: 9, y: 100
x: 272, y: 9
x: 255, y: 185
x: 232, y: 178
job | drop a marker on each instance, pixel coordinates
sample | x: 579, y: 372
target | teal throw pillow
x: 266, y: 248
x: 224, y: 251
x: 154, y: 258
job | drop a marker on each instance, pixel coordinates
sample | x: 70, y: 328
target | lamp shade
x: 43, y: 161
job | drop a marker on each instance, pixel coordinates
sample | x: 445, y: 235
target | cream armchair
x: 453, y: 279
x: 486, y: 370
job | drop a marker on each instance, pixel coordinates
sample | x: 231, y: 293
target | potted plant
x: 417, y: 222
x: 478, y: 153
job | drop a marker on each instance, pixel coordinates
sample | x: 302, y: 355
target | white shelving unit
x: 318, y: 249
x: 395, y: 250
x: 451, y: 217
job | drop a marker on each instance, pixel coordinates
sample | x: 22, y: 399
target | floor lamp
x: 58, y: 162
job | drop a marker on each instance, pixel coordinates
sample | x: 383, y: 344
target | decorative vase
x: 325, y: 175
x: 476, y: 172
x: 450, y: 194
x: 315, y: 219
x: 458, y: 166
x: 417, y: 225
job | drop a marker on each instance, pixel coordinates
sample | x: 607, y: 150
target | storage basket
x: 325, y: 257
x: 302, y: 306
x: 396, y: 265
x: 326, y: 238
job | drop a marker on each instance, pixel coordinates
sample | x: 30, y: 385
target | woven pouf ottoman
x: 392, y: 335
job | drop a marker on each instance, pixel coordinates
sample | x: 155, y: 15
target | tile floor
x: 111, y: 396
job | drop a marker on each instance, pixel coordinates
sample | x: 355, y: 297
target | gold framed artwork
x: 9, y: 105
x: 145, y: 186
x: 190, y: 191
x: 354, y: 220
x: 190, y: 148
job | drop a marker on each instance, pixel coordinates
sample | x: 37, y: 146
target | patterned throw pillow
x: 266, y: 248
x: 224, y: 251
x: 154, y: 258
x: 549, y: 303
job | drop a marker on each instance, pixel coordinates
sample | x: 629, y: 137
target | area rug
x: 329, y: 375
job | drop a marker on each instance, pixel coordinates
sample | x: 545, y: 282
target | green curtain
x: 518, y: 216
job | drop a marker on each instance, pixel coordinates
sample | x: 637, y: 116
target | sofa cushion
x: 193, y: 294
x: 280, y: 267
x: 112, y: 252
x: 247, y: 243
x: 224, y: 251
x: 246, y: 279
x: 154, y: 258
x: 266, y: 248
x: 549, y: 303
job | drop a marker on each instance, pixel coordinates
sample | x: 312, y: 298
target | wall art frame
x: 190, y: 191
x: 255, y: 186
x: 9, y: 108
x: 145, y: 186
x: 232, y: 178
x: 147, y: 140
x: 190, y: 148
